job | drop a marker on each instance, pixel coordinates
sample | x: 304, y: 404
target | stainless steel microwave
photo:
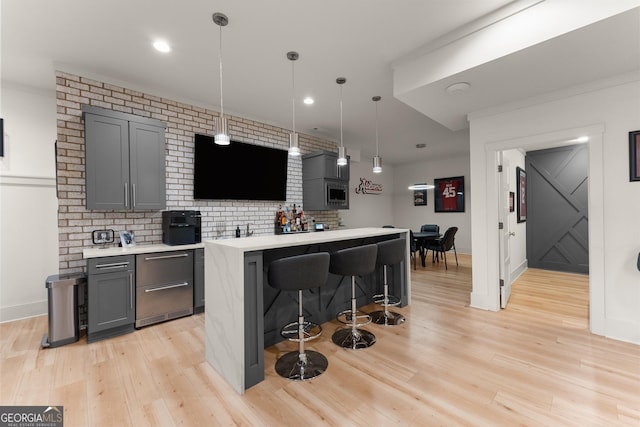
x: 337, y: 194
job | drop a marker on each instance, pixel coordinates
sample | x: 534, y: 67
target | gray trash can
x: 62, y: 292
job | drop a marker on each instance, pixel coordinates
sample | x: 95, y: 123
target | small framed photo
x: 127, y: 239
x: 512, y: 198
x: 521, y: 179
x: 102, y: 237
x: 634, y: 155
x: 449, y: 194
x: 419, y: 197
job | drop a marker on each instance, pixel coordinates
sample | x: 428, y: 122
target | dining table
x: 423, y: 238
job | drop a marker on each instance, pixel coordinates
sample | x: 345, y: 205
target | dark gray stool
x: 298, y: 273
x: 390, y: 252
x: 353, y: 262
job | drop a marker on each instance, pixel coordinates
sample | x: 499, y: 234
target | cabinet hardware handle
x: 166, y: 256
x: 179, y: 285
x: 113, y: 265
x: 126, y: 194
x: 131, y: 291
x: 133, y: 193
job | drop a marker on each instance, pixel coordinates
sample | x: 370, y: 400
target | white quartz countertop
x: 137, y: 249
x: 257, y: 243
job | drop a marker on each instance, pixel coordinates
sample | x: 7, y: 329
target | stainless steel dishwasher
x: 164, y: 286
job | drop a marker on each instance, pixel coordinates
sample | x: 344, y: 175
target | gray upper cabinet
x: 324, y: 165
x: 125, y: 161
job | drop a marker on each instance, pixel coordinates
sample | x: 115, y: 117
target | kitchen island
x: 243, y: 313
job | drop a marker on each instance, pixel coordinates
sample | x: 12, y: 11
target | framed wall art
x: 634, y: 155
x: 449, y: 194
x: 512, y: 203
x: 419, y: 197
x: 521, y: 179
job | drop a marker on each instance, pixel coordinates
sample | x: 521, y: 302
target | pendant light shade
x: 342, y: 155
x: 222, y: 134
x: 294, y: 147
x: 377, y: 160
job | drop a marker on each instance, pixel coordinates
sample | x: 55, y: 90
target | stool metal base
x: 291, y: 367
x: 390, y: 318
x: 355, y: 339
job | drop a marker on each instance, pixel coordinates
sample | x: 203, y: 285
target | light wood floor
x: 533, y: 364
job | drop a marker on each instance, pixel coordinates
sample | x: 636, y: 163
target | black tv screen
x: 238, y: 171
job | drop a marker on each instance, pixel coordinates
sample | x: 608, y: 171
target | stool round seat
x: 355, y: 261
x: 390, y: 252
x: 297, y: 273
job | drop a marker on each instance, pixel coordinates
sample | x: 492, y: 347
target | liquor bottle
x: 238, y: 231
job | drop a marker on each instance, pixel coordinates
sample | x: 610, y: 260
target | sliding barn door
x: 557, y: 218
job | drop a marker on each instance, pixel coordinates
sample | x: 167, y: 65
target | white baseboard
x: 23, y: 311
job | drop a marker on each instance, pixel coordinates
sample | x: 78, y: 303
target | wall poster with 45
x: 449, y: 194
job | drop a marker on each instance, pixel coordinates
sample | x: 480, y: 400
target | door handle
x: 131, y: 290
x: 126, y: 194
x: 512, y: 233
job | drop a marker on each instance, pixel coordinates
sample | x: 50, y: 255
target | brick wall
x: 76, y: 223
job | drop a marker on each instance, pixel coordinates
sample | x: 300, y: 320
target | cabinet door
x: 147, y: 154
x: 111, y: 300
x: 332, y: 170
x: 107, y: 162
x: 198, y: 281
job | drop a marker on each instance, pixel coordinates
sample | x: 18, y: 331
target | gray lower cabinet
x: 125, y: 161
x: 111, y: 296
x: 198, y: 281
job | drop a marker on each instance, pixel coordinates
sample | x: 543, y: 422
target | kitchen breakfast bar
x: 243, y: 313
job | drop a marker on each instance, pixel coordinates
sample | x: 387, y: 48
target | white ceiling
x: 356, y: 39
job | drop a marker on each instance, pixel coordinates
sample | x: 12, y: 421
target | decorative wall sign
x: 521, y: 179
x: 634, y: 155
x: 366, y: 186
x: 419, y: 197
x: 512, y: 202
x: 449, y: 194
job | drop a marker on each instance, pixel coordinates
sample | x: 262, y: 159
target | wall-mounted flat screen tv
x: 238, y: 171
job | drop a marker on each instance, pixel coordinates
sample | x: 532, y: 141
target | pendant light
x: 377, y: 160
x: 342, y: 156
x: 294, y: 148
x: 222, y: 135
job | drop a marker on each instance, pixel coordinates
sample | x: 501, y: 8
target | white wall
x: 369, y: 210
x: 410, y: 216
x: 606, y: 116
x: 28, y: 204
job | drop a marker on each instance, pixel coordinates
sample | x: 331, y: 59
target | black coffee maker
x: 181, y: 227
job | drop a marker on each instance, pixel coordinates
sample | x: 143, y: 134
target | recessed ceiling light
x: 308, y: 100
x: 457, y: 88
x: 162, y: 46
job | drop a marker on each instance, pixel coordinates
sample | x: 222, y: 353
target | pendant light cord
x: 376, y: 128
x: 293, y: 95
x: 341, y: 144
x: 220, y: 58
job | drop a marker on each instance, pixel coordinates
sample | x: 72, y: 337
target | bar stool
x: 390, y: 252
x: 353, y: 262
x: 300, y: 272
